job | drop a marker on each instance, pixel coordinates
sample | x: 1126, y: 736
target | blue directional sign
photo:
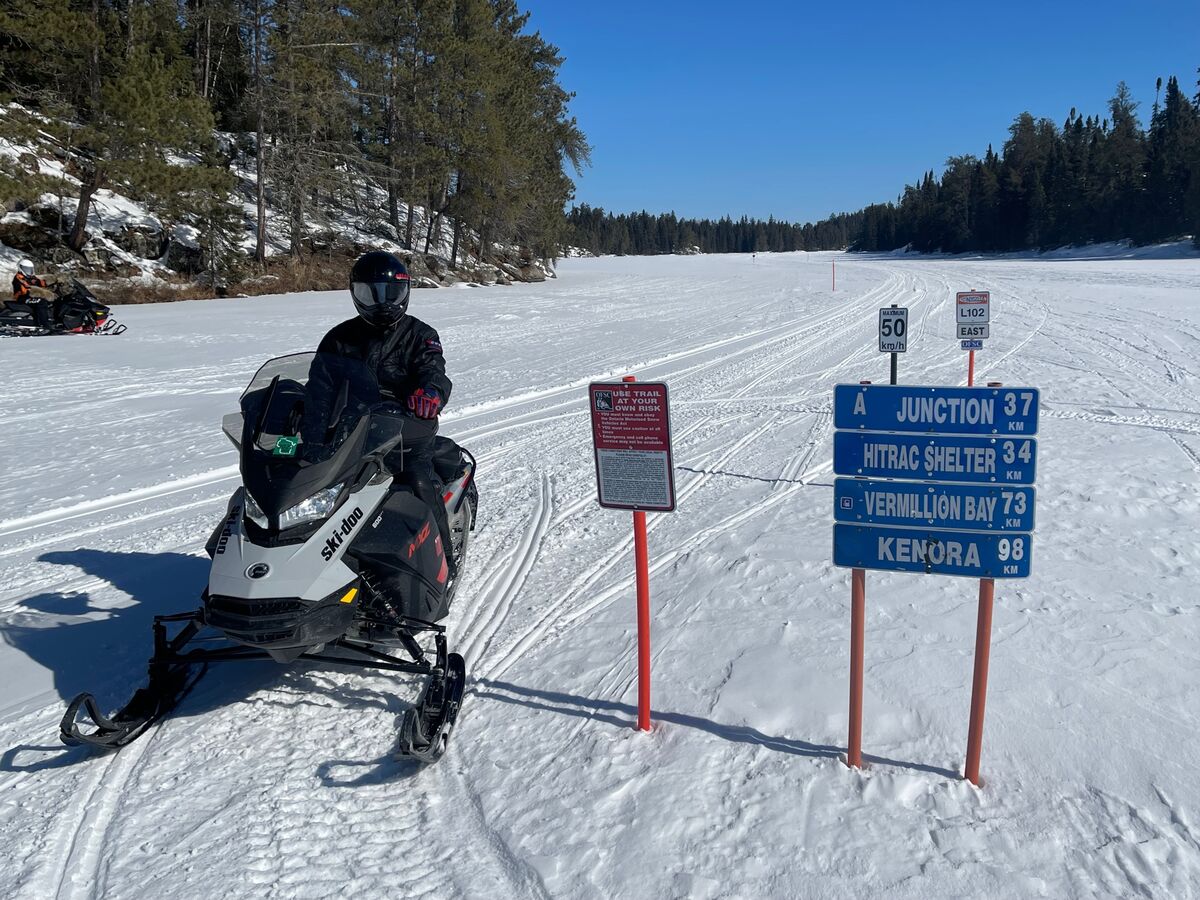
x: 932, y: 551
x: 935, y: 457
x: 972, y: 345
x: 927, y: 505
x: 941, y: 410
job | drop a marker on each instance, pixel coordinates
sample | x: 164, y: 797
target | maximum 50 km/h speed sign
x: 893, y: 329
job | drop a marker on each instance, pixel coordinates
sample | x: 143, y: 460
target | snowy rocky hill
x: 131, y: 244
x: 273, y: 781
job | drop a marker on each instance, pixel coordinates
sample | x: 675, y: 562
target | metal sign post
x: 631, y: 437
x: 858, y: 615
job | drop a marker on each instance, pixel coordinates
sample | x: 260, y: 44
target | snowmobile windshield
x: 311, y: 424
x: 73, y: 288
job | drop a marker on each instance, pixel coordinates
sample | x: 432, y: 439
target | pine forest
x: 451, y: 107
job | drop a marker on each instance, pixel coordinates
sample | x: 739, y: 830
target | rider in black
x: 405, y: 356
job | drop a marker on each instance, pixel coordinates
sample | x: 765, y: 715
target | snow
x: 280, y: 781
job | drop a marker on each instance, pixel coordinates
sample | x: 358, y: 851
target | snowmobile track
x: 115, y: 501
x: 511, y: 574
x: 563, y: 612
x: 82, y: 869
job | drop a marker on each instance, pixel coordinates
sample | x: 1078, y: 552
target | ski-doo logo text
x: 227, y: 530
x: 340, y: 534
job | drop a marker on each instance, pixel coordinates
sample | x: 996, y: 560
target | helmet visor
x: 380, y: 293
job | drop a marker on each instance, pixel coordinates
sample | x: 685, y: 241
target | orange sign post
x: 631, y: 437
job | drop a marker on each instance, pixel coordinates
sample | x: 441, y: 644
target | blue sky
x: 798, y: 110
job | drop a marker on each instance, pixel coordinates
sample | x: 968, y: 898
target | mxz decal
x: 421, y: 538
x: 340, y: 533
x: 227, y: 531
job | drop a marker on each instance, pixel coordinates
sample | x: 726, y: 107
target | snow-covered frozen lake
x: 280, y: 782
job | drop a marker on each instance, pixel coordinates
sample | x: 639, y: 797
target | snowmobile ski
x: 425, y: 730
x: 169, y: 683
x: 149, y: 704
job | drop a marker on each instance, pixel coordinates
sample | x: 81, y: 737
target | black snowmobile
x: 324, y: 554
x: 74, y: 310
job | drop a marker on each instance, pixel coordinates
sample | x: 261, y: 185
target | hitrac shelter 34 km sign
x: 959, y: 465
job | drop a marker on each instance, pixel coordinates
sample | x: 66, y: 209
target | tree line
x: 645, y: 234
x: 1092, y: 179
x: 369, y: 105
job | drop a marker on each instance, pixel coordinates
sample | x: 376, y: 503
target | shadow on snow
x: 97, y: 647
x: 604, y: 710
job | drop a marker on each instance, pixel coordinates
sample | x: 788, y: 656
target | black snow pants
x: 419, y: 474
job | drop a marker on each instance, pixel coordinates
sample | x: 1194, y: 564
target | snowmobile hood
x: 309, y: 570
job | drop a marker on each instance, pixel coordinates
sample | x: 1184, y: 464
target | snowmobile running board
x: 109, y: 329
x: 424, y: 731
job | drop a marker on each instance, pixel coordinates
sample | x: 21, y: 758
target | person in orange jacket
x: 28, y: 288
x: 24, y: 280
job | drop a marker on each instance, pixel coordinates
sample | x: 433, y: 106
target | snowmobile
x: 324, y: 554
x: 73, y: 310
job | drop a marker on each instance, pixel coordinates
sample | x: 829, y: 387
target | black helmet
x: 379, y: 285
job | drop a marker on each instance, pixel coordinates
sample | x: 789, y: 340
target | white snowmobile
x: 324, y: 554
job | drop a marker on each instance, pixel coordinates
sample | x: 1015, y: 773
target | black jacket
x: 402, y: 358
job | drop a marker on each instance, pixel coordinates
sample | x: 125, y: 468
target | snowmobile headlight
x: 254, y: 512
x: 316, y: 507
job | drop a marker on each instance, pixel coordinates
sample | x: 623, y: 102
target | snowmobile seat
x: 38, y: 314
x: 448, y: 459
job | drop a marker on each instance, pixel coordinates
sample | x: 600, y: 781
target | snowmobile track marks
x: 804, y: 456
x: 115, y: 501
x: 514, y: 571
x: 83, y: 861
x: 564, y: 613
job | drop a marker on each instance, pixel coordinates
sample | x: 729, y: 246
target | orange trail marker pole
x: 643, y: 619
x: 641, y: 558
x: 983, y: 643
x: 971, y: 368
x: 983, y: 650
x: 858, y: 614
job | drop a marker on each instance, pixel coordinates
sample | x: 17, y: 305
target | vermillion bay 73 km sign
x: 973, y: 507
x: 631, y: 432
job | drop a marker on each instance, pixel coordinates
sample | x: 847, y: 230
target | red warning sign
x: 631, y: 432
